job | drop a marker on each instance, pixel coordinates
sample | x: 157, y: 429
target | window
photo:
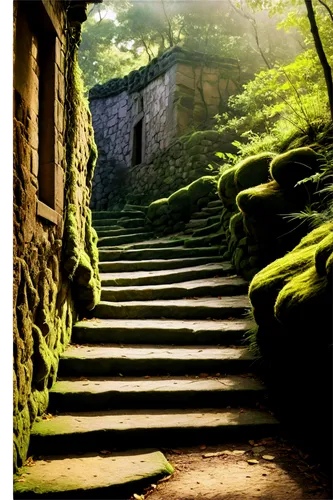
x: 137, y: 152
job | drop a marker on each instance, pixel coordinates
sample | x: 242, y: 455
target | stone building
x: 55, y: 255
x: 137, y: 117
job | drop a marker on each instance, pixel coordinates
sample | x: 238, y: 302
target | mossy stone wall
x: 55, y: 261
x: 184, y: 161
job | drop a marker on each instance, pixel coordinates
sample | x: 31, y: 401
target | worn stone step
x: 140, y: 208
x: 138, y: 222
x: 213, y: 287
x: 155, y: 243
x: 158, y: 253
x: 166, y: 276
x: 119, y: 231
x: 136, y: 428
x: 198, y: 215
x: 111, y: 475
x: 206, y: 241
x: 212, y: 211
x: 105, y: 222
x: 117, y: 214
x: 215, y: 203
x: 161, y: 331
x: 201, y: 308
x: 107, y: 241
x: 110, y: 360
x: 196, y: 223
x: 154, y: 392
x: 204, y: 231
x: 157, y: 264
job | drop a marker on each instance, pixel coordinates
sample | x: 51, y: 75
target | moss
x: 266, y: 285
x: 265, y: 200
x: 323, y: 252
x: 252, y: 171
x: 227, y: 190
x: 300, y: 297
x: 294, y: 165
x: 180, y: 201
x: 155, y: 207
x: 202, y: 187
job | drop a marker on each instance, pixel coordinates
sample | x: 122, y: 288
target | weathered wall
x: 174, y: 95
x: 51, y: 244
x: 187, y: 159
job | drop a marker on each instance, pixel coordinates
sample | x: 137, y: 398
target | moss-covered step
x: 161, y: 331
x: 206, y: 241
x: 119, y: 240
x: 214, y: 204
x: 156, y: 264
x: 198, y: 215
x: 110, y: 360
x: 136, y: 428
x: 157, y: 243
x: 166, y: 276
x: 202, y: 308
x: 117, y: 214
x: 119, y: 231
x: 155, y: 392
x: 211, y: 211
x: 157, y: 253
x: 204, y: 231
x: 106, y: 222
x: 139, y: 222
x: 140, y: 208
x: 196, y: 223
x: 213, y: 287
x: 112, y: 475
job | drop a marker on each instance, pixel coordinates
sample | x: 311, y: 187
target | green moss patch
x: 294, y: 165
x: 252, y: 171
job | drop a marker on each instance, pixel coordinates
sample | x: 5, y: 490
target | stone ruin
x: 140, y: 116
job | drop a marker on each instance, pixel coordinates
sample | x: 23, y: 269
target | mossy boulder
x: 157, y: 208
x: 294, y: 165
x: 265, y: 200
x: 252, y: 171
x: 202, y: 188
x: 180, y: 201
x: 227, y: 190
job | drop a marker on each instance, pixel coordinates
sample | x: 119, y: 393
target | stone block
x: 184, y: 80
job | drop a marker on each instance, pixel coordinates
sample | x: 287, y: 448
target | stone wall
x: 55, y: 254
x: 187, y: 159
x: 173, y: 95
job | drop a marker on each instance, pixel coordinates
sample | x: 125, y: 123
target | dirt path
x: 290, y: 475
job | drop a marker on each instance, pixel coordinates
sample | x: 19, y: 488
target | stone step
x: 215, y: 203
x: 210, y: 211
x: 166, y: 276
x: 117, y: 214
x: 104, y: 222
x: 157, y: 243
x: 204, y: 231
x: 138, y: 222
x: 111, y: 475
x: 202, y: 308
x: 137, y: 428
x: 212, y: 287
x: 140, y: 208
x: 206, y: 241
x: 119, y: 240
x: 104, y: 231
x: 112, y: 360
x: 198, y: 215
x: 154, y: 392
x: 161, y: 331
x: 196, y: 223
x: 158, y: 253
x: 157, y: 264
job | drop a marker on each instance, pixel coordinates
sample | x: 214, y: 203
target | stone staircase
x: 161, y: 363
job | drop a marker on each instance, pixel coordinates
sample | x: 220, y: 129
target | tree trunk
x: 321, y: 53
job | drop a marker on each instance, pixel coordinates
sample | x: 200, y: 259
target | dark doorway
x: 137, y: 143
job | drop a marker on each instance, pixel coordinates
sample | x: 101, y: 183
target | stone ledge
x: 140, y: 78
x: 48, y: 213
